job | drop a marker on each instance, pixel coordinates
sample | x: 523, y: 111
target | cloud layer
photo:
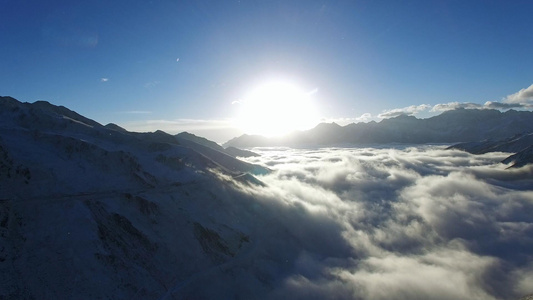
x: 409, y: 110
x: 404, y: 223
x: 522, y: 99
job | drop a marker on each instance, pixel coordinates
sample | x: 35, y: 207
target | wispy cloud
x: 151, y: 84
x: 136, y: 112
x: 104, y: 79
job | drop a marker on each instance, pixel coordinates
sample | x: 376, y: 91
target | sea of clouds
x: 397, y: 223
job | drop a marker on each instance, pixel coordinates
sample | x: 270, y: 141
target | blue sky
x: 117, y: 61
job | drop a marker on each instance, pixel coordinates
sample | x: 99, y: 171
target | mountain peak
x: 401, y: 117
x: 327, y: 125
x: 62, y: 111
x: 199, y: 140
x: 115, y: 127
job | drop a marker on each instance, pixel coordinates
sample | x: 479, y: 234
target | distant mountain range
x: 461, y: 125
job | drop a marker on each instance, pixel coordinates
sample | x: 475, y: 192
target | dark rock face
x: 520, y: 144
x: 521, y: 158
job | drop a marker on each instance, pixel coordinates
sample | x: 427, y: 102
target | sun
x: 276, y: 108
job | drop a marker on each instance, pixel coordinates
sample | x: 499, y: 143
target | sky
x: 190, y: 65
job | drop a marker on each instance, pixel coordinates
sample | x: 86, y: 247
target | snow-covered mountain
x: 461, y: 125
x: 91, y: 212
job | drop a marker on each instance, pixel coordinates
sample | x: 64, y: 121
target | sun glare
x: 277, y: 108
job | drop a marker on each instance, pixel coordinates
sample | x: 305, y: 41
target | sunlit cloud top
x: 523, y: 96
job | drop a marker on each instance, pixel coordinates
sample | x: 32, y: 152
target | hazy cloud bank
x: 405, y: 223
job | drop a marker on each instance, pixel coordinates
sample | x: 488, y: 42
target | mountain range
x: 95, y: 211
x: 454, y: 126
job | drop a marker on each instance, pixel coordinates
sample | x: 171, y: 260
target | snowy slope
x: 88, y: 211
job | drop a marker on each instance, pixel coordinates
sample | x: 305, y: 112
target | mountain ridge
x: 92, y: 211
x: 460, y: 125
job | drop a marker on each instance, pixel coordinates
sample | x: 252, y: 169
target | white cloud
x: 409, y: 110
x: 455, y: 105
x: 404, y: 223
x: 104, y: 79
x: 442, y: 274
x: 522, y: 96
x: 364, y: 117
x: 522, y: 99
x: 487, y: 105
